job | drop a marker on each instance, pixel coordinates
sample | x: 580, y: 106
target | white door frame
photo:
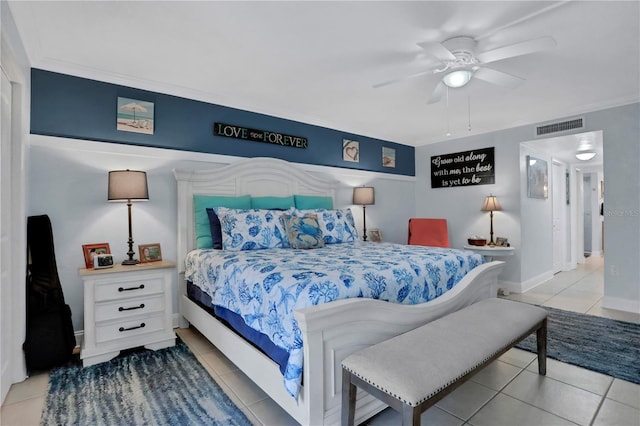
x: 559, y: 219
x: 14, y: 216
x: 578, y: 213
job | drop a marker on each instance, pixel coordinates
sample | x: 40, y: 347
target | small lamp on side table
x: 364, y: 196
x: 490, y: 205
x: 128, y: 185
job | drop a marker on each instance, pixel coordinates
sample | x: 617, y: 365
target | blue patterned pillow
x: 303, y: 231
x: 252, y: 229
x: 337, y: 225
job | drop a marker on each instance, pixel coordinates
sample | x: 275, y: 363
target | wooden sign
x: 463, y: 168
x: 237, y: 132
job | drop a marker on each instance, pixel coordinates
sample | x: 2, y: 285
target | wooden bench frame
x: 411, y: 415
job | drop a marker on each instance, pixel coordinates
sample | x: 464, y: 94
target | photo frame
x: 375, y: 235
x: 92, y: 250
x: 350, y: 151
x: 150, y: 253
x: 134, y: 115
x: 502, y: 242
x: 537, y: 177
x: 388, y: 157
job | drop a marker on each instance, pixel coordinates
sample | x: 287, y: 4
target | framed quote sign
x: 466, y: 168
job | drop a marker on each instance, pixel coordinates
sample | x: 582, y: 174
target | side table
x: 489, y: 252
x: 126, y: 307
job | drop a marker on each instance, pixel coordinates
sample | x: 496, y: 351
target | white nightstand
x: 489, y: 252
x: 126, y: 307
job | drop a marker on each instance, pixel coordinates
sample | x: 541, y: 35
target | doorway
x: 571, y: 197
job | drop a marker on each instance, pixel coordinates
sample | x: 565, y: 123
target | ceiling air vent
x: 562, y: 126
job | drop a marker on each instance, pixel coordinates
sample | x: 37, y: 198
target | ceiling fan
x: 459, y: 63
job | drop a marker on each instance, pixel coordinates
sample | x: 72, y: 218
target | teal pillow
x: 305, y: 202
x: 200, y: 205
x: 272, y: 203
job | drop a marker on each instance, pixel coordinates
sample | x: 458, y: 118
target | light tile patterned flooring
x: 507, y: 392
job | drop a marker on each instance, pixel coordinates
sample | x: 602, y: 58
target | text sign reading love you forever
x: 463, y: 168
x: 237, y: 132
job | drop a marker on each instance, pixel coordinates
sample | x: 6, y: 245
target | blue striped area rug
x: 164, y: 387
x: 599, y: 344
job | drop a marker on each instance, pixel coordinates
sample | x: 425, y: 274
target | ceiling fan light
x: 457, y: 78
x: 585, y: 155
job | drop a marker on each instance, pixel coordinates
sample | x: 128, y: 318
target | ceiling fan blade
x: 498, y: 78
x: 517, y: 49
x: 437, y: 94
x: 396, y: 80
x: 437, y: 50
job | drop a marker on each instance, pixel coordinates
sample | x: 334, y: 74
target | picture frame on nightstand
x: 150, y: 253
x: 375, y: 235
x: 502, y: 242
x: 92, y: 250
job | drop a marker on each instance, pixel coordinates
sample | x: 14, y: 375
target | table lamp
x: 364, y: 196
x: 490, y: 205
x: 127, y: 186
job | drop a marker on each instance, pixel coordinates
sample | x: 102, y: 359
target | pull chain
x: 469, y: 110
x: 448, y: 132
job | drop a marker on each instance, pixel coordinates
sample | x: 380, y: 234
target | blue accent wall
x: 79, y: 108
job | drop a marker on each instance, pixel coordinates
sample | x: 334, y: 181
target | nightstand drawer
x: 133, y: 327
x: 124, y: 289
x: 126, y: 308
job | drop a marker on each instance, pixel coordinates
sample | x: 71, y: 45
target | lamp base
x: 130, y: 262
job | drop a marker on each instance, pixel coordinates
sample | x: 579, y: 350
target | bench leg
x: 410, y: 415
x: 541, y: 336
x: 348, y: 399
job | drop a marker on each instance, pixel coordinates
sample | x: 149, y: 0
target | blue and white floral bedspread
x: 266, y: 286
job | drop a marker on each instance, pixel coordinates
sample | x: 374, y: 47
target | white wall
x: 68, y: 182
x: 536, y: 223
x: 461, y: 206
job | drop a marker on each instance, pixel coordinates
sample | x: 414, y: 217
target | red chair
x: 428, y: 232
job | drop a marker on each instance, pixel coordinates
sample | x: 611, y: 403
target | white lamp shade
x: 364, y: 195
x: 128, y: 185
x: 491, y: 204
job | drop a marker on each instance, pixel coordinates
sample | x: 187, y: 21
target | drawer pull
x: 120, y: 309
x: 140, y: 287
x: 121, y: 329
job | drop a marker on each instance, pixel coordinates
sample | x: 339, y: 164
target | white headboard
x: 256, y: 177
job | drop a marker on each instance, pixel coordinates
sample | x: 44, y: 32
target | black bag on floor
x: 50, y: 339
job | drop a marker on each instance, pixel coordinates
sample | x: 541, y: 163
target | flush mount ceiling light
x: 457, y: 78
x: 585, y: 155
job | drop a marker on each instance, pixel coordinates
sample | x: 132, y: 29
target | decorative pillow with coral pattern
x: 303, y: 231
x: 337, y: 225
x: 252, y: 229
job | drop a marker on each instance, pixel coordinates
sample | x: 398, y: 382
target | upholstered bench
x: 413, y: 371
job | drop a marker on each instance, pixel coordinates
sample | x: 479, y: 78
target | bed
x: 329, y: 331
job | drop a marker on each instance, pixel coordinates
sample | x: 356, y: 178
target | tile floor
x: 507, y: 392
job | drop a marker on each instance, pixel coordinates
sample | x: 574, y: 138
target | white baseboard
x: 79, y: 340
x: 175, y: 320
x: 521, y: 287
x: 619, y: 304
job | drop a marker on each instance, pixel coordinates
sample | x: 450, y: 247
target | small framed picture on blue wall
x: 135, y: 116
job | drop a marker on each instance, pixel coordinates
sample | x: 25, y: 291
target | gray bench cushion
x: 416, y: 365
